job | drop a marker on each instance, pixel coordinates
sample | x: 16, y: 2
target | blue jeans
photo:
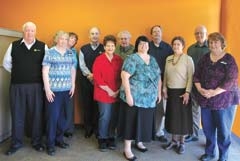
x: 217, y: 125
x: 106, y: 123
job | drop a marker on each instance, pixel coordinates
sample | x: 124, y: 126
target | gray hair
x: 29, y: 23
x: 124, y: 32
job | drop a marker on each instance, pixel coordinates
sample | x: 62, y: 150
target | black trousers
x: 69, y: 114
x: 90, y: 107
x: 26, y: 99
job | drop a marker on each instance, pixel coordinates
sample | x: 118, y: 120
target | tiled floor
x: 82, y: 149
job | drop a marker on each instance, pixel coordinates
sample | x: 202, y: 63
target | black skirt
x: 178, y: 119
x: 138, y: 123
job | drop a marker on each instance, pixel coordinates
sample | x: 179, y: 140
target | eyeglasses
x: 199, y: 33
x: 123, y: 38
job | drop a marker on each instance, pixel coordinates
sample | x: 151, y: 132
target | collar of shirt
x: 125, y: 49
x: 160, y: 45
x: 205, y: 44
x: 28, y: 45
x: 94, y: 46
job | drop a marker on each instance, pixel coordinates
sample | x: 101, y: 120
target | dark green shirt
x: 196, y: 52
x: 124, y: 52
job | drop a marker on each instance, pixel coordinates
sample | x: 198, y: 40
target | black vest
x: 27, y: 64
x: 90, y: 55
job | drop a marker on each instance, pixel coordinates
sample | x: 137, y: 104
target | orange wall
x: 176, y: 17
x: 230, y: 28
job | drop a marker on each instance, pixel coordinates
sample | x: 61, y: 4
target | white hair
x: 28, y: 24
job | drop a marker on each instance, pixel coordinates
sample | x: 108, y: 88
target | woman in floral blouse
x: 141, y: 90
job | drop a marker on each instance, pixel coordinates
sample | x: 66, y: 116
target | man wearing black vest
x: 87, y: 55
x: 23, y: 60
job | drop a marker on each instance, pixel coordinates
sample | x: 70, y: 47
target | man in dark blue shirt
x: 160, y: 50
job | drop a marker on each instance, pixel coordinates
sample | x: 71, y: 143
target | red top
x: 108, y: 73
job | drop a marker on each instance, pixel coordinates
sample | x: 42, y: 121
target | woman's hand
x: 185, y: 97
x: 50, y: 95
x: 72, y: 90
x: 129, y: 99
x: 165, y: 95
x: 159, y: 97
x: 203, y: 92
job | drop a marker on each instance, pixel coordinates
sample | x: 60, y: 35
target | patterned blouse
x: 60, y: 69
x: 223, y: 74
x: 143, y: 81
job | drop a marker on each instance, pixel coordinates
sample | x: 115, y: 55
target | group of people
x: 134, y: 93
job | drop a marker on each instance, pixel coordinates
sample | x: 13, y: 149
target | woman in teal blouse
x: 139, y: 94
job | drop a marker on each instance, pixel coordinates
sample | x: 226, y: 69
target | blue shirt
x: 143, y: 81
x: 60, y: 69
x: 160, y: 53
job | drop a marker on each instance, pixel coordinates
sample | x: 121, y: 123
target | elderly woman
x: 216, y: 81
x: 177, y: 85
x: 59, y: 72
x: 124, y: 48
x: 141, y: 90
x: 107, y: 81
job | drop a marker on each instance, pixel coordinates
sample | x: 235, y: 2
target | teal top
x: 143, y: 81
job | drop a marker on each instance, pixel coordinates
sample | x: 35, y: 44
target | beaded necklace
x: 174, y: 63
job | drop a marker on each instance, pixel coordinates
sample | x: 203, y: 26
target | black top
x: 27, y: 63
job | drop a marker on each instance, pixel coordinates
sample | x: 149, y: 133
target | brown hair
x: 109, y: 38
x: 216, y: 36
x: 180, y: 38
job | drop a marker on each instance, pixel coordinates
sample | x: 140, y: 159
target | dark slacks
x: 69, y: 114
x: 90, y: 107
x: 55, y: 118
x: 26, y: 99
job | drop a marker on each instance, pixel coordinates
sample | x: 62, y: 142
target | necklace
x: 174, y: 63
x: 215, y: 57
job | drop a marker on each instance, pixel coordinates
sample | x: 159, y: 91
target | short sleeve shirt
x: 143, y: 81
x: 60, y: 69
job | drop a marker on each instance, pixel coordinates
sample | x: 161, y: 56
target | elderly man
x: 87, y: 56
x: 160, y: 50
x: 124, y: 48
x: 196, y: 51
x: 23, y: 60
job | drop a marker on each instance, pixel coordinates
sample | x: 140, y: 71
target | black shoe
x: 171, y: 145
x: 130, y: 159
x: 39, y: 147
x: 111, y: 144
x: 140, y: 149
x: 206, y: 157
x: 62, y: 145
x: 51, y: 151
x: 12, y: 150
x: 162, y: 139
x: 88, y: 133
x: 102, y: 145
x: 68, y: 135
x: 221, y: 160
x: 190, y: 138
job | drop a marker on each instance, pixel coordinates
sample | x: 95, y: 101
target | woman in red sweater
x: 107, y: 81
